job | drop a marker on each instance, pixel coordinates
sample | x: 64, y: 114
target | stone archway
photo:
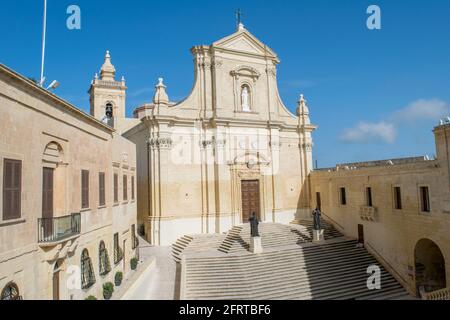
x: 429, y: 266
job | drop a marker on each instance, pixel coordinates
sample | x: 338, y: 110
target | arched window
x: 87, y: 272
x: 103, y: 259
x: 246, y: 98
x: 11, y: 292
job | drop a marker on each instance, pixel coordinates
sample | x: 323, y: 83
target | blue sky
x: 374, y: 94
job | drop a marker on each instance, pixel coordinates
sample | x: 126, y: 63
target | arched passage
x: 430, y: 266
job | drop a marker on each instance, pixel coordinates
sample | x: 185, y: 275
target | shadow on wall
x: 429, y: 267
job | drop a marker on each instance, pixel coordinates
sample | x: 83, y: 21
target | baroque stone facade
x: 194, y: 157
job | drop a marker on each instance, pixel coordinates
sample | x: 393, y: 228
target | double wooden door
x: 250, y: 199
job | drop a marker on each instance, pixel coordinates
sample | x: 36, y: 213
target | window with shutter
x: 12, y: 189
x: 84, y: 189
x: 132, y: 188
x: 116, y: 188
x: 125, y: 188
x: 101, y: 191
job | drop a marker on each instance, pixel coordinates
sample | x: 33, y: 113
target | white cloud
x: 369, y: 132
x: 422, y: 109
x: 386, y: 130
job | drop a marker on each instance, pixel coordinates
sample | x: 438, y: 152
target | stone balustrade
x: 443, y: 294
x: 367, y: 213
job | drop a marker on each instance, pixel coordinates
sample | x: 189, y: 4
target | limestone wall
x: 395, y: 233
x: 31, y: 121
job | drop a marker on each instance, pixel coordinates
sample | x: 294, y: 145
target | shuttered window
x: 116, y: 188
x: 12, y: 189
x: 101, y: 189
x: 132, y: 188
x: 84, y: 189
x: 125, y: 188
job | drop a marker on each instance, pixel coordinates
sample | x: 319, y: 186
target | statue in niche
x: 245, y: 97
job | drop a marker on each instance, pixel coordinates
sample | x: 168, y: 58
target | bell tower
x: 107, y: 96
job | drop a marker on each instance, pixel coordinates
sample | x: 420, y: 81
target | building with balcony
x: 68, y: 201
x: 399, y: 209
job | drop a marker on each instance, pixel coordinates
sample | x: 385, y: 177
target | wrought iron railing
x: 58, y: 229
x: 443, y: 294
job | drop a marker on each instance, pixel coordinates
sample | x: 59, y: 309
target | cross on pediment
x: 239, y: 15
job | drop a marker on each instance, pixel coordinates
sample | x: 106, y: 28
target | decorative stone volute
x: 161, y: 97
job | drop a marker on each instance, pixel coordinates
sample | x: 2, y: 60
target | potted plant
x: 118, y: 278
x: 108, y: 289
x: 133, y: 263
x: 91, y: 298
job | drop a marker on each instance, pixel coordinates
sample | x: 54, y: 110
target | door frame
x: 242, y: 181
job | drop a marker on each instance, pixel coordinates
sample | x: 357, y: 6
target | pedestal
x: 318, y: 235
x: 256, y: 245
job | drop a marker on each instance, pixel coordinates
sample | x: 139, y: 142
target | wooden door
x: 319, y: 201
x: 56, y: 285
x: 250, y: 199
x: 360, y: 233
x: 47, y: 201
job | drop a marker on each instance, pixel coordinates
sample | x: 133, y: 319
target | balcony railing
x: 367, y: 213
x: 58, y: 229
x: 443, y: 294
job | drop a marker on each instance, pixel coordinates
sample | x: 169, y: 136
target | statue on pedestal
x: 317, y: 221
x: 254, y: 223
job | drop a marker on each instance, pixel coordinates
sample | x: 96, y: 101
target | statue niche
x: 245, y: 99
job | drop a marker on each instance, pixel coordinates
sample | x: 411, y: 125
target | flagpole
x: 44, y: 31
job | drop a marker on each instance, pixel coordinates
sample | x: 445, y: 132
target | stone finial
x: 241, y: 26
x: 303, y: 111
x: 161, y: 97
x: 302, y: 106
x: 108, y: 71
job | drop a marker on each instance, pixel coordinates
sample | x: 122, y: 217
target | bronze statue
x: 254, y: 225
x: 316, y: 215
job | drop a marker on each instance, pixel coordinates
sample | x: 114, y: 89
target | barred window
x: 11, y: 292
x: 103, y: 258
x: 87, y: 272
x: 118, y: 253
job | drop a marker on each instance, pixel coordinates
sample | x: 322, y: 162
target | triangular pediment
x: 244, y: 41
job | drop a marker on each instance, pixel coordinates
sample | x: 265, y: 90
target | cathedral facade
x: 231, y: 149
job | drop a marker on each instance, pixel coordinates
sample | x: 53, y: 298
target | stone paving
x: 161, y: 282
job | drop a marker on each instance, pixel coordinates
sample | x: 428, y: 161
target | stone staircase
x: 336, y: 269
x: 194, y: 244
x: 330, y: 231
x: 237, y: 240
